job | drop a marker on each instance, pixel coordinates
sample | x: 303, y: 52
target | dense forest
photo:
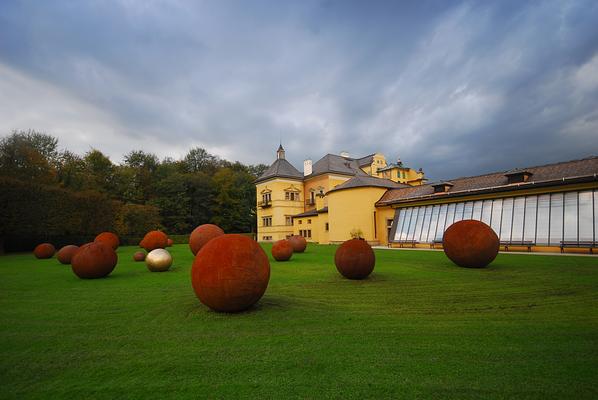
x: 47, y: 193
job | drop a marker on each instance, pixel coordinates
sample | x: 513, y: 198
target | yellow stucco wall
x: 354, y: 209
x: 384, y: 216
x: 279, y: 208
x: 305, y: 224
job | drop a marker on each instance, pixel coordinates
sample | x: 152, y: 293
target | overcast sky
x: 457, y: 88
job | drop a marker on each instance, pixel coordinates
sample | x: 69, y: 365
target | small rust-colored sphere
x: 202, y: 235
x: 169, y: 242
x: 355, y: 259
x: 282, y: 250
x: 158, y: 260
x: 109, y: 238
x: 139, y: 256
x: 230, y: 273
x: 94, y: 260
x: 154, y: 240
x: 470, y: 244
x: 44, y: 250
x: 65, y: 254
x: 299, y: 243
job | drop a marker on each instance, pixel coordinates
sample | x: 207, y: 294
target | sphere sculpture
x: 139, y: 256
x: 44, y: 250
x: 299, y: 243
x: 355, y: 259
x: 230, y: 273
x: 169, y: 242
x: 158, y: 260
x: 470, y: 244
x: 94, y: 260
x: 154, y: 240
x: 65, y: 254
x: 109, y: 238
x: 202, y: 235
x: 282, y: 250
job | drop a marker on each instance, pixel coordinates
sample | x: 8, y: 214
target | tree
x: 199, y: 160
x: 144, y: 166
x: 29, y: 156
x: 234, y: 204
x: 174, y: 203
x: 100, y: 171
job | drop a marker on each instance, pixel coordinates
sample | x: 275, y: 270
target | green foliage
x: 55, y: 193
x: 136, y: 220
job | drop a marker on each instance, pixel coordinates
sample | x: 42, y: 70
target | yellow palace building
x: 542, y: 208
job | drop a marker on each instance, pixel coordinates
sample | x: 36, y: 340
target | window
x: 293, y: 196
x: 326, y: 227
x: 426, y: 224
x: 487, y: 212
x: 288, y: 220
x: 529, y: 223
x: 309, y: 221
x: 300, y: 222
x: 543, y: 219
x: 458, y: 212
x: 266, y: 221
x: 570, y: 217
x: 441, y: 227
x: 507, y: 219
x: 518, y: 214
x: 468, y: 210
x: 411, y: 230
x: 266, y: 237
x: 266, y: 198
x: 450, y: 215
x: 477, y: 210
x: 419, y: 223
x: 309, y: 233
x: 556, y: 218
x: 496, y: 216
x: 585, y: 219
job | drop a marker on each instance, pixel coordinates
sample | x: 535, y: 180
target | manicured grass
x: 419, y: 327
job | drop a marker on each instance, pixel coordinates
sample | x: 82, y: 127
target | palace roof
x: 567, y: 172
x: 368, y: 181
x: 281, y: 168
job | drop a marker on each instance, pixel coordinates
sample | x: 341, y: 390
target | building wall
x: 278, y: 209
x: 353, y: 209
x: 308, y: 227
x: 326, y: 182
x: 542, y: 216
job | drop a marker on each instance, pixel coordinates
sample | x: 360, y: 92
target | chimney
x: 344, y: 154
x: 307, y: 167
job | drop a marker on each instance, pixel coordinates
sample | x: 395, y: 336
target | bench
x: 517, y: 243
x: 433, y: 243
x: 401, y: 243
x: 583, y: 243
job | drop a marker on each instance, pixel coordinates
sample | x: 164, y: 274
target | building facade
x: 542, y: 208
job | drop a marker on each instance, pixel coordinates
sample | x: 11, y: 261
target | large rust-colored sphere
x: 139, y: 256
x: 169, y: 242
x: 158, y: 260
x: 154, y: 240
x: 202, y: 235
x: 355, y: 259
x: 44, y: 250
x: 230, y: 273
x: 65, y: 254
x: 470, y: 244
x: 109, y: 238
x: 299, y: 243
x: 282, y: 250
x: 94, y: 260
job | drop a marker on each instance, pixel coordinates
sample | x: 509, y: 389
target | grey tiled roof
x: 310, y: 213
x: 544, y: 175
x: 337, y: 164
x: 369, y: 181
x: 281, y: 168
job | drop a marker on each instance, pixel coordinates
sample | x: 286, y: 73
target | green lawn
x: 419, y: 327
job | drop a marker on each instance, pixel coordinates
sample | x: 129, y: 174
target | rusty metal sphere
x: 94, y: 260
x: 169, y: 242
x: 355, y: 259
x: 299, y: 243
x: 139, y: 256
x: 202, y: 235
x: 230, y: 273
x: 282, y: 250
x: 158, y: 260
x: 44, y: 250
x: 109, y: 238
x: 470, y: 244
x: 66, y: 253
x: 154, y: 240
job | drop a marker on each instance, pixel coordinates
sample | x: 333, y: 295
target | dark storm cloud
x: 457, y: 88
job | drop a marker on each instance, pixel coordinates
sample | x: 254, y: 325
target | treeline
x: 47, y: 193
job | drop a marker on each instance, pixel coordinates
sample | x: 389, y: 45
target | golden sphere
x: 158, y: 260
